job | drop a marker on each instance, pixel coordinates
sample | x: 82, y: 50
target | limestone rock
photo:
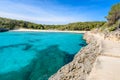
x: 82, y: 63
x: 115, y: 35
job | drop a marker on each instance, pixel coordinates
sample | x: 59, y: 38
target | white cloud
x: 43, y: 20
x: 49, y: 14
x: 31, y: 13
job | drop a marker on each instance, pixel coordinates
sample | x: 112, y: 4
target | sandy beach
x: 36, y: 30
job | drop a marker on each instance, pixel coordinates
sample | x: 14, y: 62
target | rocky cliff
x: 82, y: 63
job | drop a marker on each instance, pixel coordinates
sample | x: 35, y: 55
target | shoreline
x: 98, y: 60
x: 82, y: 62
x: 36, y: 30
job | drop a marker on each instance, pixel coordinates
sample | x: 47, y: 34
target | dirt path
x: 107, y: 65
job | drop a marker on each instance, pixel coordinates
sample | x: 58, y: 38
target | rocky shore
x: 3, y: 29
x: 82, y: 63
x: 99, y: 60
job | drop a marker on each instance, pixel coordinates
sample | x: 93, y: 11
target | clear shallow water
x: 35, y: 55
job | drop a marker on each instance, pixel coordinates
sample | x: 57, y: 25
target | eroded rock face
x: 82, y: 63
x: 115, y: 35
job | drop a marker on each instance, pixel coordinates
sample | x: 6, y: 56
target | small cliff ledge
x: 107, y: 64
x: 82, y: 64
x: 99, y: 60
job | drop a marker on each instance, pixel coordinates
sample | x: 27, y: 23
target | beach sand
x: 36, y: 30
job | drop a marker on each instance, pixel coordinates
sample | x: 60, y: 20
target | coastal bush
x: 112, y: 28
x: 113, y: 19
x: 114, y: 14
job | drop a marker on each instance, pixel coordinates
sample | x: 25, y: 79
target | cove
x: 36, y: 55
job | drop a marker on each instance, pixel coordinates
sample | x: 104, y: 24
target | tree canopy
x: 113, y: 18
x: 16, y: 24
x: 114, y: 14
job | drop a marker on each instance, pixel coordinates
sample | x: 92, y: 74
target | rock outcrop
x: 107, y: 64
x: 82, y: 63
x: 115, y: 35
x: 3, y: 29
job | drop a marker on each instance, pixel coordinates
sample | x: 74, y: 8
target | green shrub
x: 112, y: 28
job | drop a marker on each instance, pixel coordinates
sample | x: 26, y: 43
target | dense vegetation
x: 16, y: 24
x: 113, y: 19
x: 76, y: 26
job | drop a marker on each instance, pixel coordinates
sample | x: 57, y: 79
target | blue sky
x: 56, y: 11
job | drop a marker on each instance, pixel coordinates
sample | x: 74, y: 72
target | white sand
x: 36, y: 30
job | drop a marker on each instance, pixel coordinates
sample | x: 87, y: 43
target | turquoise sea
x: 36, y: 55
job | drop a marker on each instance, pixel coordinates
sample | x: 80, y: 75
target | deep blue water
x: 36, y: 55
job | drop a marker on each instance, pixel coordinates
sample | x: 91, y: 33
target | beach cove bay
x: 36, y: 55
